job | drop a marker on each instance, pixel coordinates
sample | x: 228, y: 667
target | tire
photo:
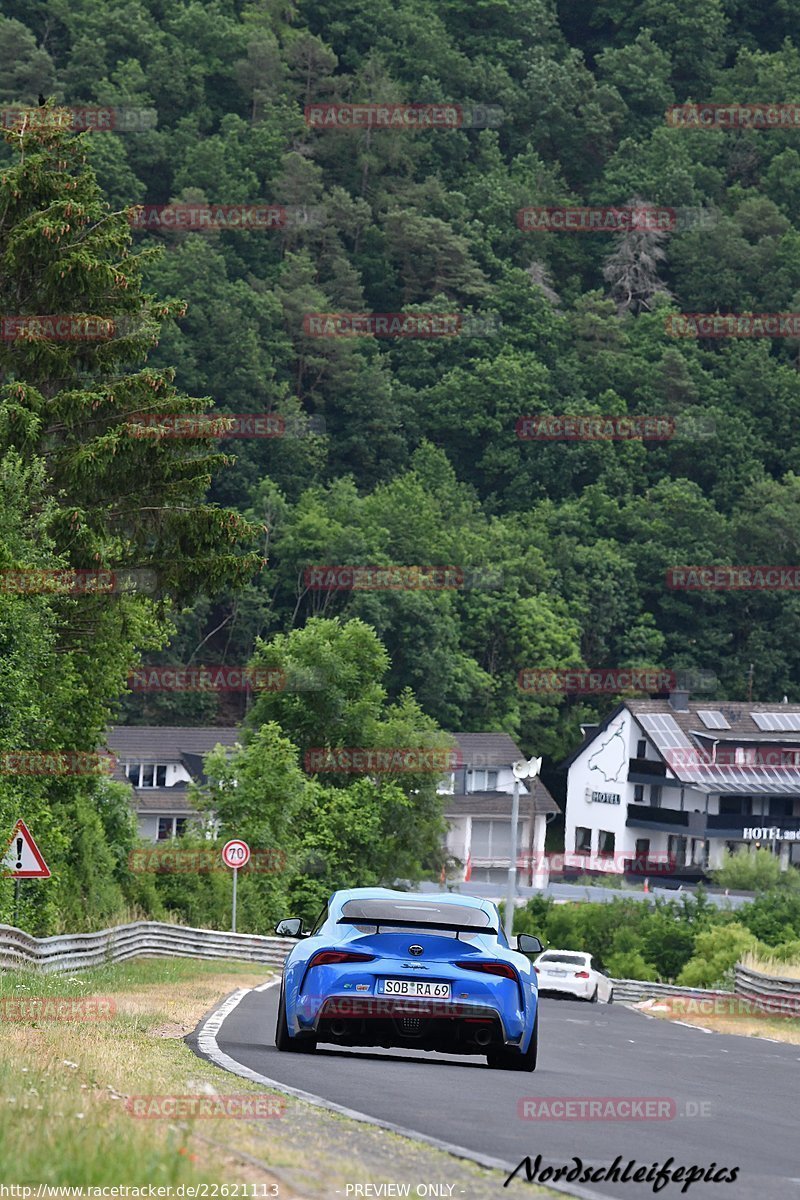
x: 505, y: 1059
x: 610, y: 997
x: 593, y: 997
x: 283, y: 1039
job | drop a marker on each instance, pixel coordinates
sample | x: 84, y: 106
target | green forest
x: 397, y: 451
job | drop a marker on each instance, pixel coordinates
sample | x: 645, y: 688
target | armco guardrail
x: 768, y: 992
x: 71, y: 951
x: 633, y: 990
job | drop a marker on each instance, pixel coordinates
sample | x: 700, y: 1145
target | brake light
x: 328, y: 958
x: 581, y: 974
x: 490, y: 968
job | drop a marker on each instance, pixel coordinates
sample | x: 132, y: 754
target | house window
x: 781, y: 806
x: 676, y: 849
x: 147, y: 775
x: 638, y: 792
x: 642, y: 847
x: 736, y: 806
x: 583, y: 840
x: 744, y: 755
x: 169, y: 827
x: 490, y: 839
x: 655, y: 795
x: 641, y: 748
x: 605, y: 843
x: 448, y: 783
x: 483, y: 781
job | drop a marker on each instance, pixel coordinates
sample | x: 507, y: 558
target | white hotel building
x: 667, y: 781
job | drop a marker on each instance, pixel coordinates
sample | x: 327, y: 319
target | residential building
x: 671, y: 784
x: 478, y: 811
x: 160, y: 762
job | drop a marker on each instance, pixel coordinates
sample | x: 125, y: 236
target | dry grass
x: 777, y: 1029
x: 771, y: 966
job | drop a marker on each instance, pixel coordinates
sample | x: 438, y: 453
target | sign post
x: 235, y: 854
x: 22, y: 860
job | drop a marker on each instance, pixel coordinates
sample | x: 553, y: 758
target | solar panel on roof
x: 712, y: 719
x: 665, y: 731
x: 775, y: 722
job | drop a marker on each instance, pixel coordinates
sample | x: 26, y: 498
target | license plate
x: 416, y: 987
x: 552, y: 972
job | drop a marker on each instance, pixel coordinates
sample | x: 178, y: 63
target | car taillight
x: 536, y: 969
x: 490, y: 968
x: 327, y: 958
x: 581, y: 974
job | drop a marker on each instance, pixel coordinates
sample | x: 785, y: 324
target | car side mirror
x: 528, y: 944
x: 290, y: 927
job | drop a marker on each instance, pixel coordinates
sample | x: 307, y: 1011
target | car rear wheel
x: 283, y: 1039
x: 505, y: 1059
x: 593, y: 997
x: 611, y: 997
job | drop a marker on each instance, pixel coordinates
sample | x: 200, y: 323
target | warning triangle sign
x: 23, y: 858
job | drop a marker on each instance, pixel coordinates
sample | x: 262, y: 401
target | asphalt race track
x: 737, y: 1099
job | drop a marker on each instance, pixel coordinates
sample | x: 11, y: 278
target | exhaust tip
x: 483, y: 1037
x: 338, y: 1028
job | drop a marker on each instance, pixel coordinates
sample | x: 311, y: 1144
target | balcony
x: 646, y: 770
x: 647, y: 766
x: 643, y: 814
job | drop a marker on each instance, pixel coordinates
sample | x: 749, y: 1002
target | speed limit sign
x: 236, y: 854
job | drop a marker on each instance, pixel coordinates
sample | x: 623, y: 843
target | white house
x: 478, y: 811
x: 160, y: 762
x: 669, y: 785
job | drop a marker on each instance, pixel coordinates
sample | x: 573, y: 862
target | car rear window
x: 410, y: 912
x: 572, y: 960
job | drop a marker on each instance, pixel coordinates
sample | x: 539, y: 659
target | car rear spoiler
x: 457, y: 926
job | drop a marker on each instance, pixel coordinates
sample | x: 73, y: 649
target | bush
x: 773, y: 917
x: 716, y: 952
x: 754, y: 871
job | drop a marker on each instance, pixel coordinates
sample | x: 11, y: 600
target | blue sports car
x: 427, y: 972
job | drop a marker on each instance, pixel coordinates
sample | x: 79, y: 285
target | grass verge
x: 777, y: 1029
x: 64, y: 1086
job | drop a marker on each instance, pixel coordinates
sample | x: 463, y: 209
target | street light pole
x: 522, y: 770
x: 511, y: 894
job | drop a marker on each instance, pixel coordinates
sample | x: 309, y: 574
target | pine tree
x: 127, y: 496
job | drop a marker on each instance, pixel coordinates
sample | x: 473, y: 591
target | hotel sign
x: 765, y: 833
x: 605, y: 798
